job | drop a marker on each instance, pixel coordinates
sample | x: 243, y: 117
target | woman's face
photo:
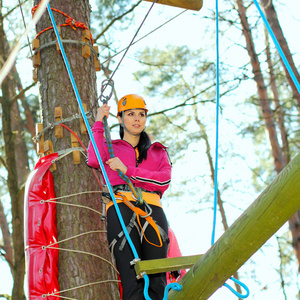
x: 134, y: 120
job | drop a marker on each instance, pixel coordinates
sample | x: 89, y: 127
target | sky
x: 193, y: 230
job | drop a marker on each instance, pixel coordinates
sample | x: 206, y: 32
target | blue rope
x: 235, y: 292
x: 217, y: 126
x: 217, y: 154
x: 135, y: 254
x: 283, y: 57
x: 174, y: 286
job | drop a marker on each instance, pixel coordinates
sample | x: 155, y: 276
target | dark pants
x: 133, y: 288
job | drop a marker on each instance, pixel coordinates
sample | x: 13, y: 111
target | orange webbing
x: 69, y: 22
x: 139, y: 212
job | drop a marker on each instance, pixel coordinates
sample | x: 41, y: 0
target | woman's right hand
x: 102, y: 111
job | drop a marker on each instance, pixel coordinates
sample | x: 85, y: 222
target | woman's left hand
x: 116, y: 164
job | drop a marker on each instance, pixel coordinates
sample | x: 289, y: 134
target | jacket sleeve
x: 98, y: 132
x: 152, y: 180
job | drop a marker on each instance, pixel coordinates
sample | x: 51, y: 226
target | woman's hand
x: 102, y: 112
x: 116, y: 164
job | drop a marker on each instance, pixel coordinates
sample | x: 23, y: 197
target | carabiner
x: 105, y: 83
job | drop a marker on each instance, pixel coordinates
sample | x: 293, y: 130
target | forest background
x: 174, y: 68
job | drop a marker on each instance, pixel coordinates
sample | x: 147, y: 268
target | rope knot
x: 70, y: 21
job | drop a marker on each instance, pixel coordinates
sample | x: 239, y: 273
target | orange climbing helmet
x: 131, y: 101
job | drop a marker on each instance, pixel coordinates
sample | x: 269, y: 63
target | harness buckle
x: 134, y: 261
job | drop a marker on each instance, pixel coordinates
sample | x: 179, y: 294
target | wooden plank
x: 187, y: 4
x: 276, y: 205
x: 165, y: 264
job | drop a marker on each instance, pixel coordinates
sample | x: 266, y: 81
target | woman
x: 149, y: 169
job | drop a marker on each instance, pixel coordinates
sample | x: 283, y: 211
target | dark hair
x: 142, y: 146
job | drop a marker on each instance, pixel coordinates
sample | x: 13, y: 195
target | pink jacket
x: 152, y: 174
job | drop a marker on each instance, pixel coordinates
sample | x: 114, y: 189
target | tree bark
x: 18, y: 269
x: 268, y: 117
x: 276, y: 28
x: 264, y: 100
x: 279, y: 112
x: 75, y: 269
x: 7, y: 243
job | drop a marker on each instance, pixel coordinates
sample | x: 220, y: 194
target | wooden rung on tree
x: 36, y: 59
x: 57, y: 44
x: 96, y: 59
x: 187, y: 4
x: 165, y: 264
x: 86, y: 50
x: 48, y: 149
x: 58, y: 130
x: 34, y: 75
x: 83, y: 128
x: 76, y: 153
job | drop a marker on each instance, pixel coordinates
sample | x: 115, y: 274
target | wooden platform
x: 165, y: 264
x: 187, y: 4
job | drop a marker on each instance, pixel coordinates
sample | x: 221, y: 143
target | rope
x: 217, y: 154
x: 80, y: 43
x: 81, y: 252
x: 69, y: 22
x: 75, y: 288
x: 150, y: 32
x: 104, y: 99
x: 52, y: 125
x: 135, y: 254
x: 74, y: 205
x: 112, y: 155
x: 130, y: 44
x: 76, y: 236
x: 281, y: 53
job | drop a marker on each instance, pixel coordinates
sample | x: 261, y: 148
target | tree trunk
x: 268, y: 117
x: 75, y: 269
x: 18, y: 269
x: 276, y: 28
x: 279, y: 112
x: 264, y: 101
x: 7, y: 243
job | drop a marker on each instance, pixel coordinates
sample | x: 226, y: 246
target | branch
x: 7, y: 247
x: 21, y: 94
x: 10, y: 11
x: 3, y: 162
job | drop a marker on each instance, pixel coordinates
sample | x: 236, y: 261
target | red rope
x: 69, y: 22
x: 81, y: 143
